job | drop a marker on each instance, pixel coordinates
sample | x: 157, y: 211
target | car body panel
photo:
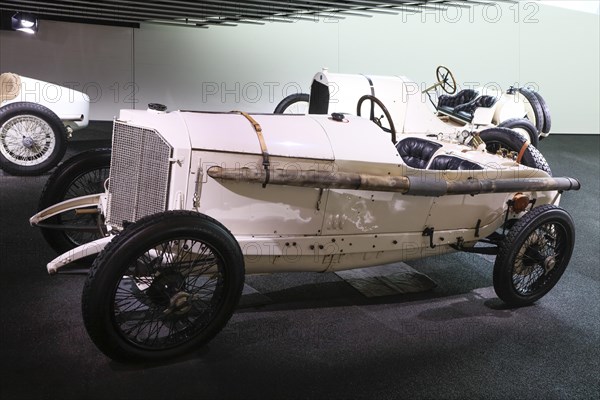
x: 309, y: 221
x: 294, y: 228
x: 71, y: 106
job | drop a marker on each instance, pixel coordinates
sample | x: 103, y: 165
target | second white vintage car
x: 36, y: 119
x: 196, y: 200
x: 403, y: 105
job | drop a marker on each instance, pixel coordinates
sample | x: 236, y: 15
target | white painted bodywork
x: 71, y: 106
x: 92, y: 200
x: 291, y: 228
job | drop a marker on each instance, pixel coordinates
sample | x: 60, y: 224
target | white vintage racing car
x: 196, y: 200
x: 36, y: 119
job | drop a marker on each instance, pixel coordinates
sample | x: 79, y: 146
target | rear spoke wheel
x: 81, y: 175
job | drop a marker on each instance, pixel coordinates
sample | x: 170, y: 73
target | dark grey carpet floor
x: 318, y: 338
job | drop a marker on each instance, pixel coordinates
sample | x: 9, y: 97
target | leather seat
x: 462, y: 97
x: 446, y: 162
x: 416, y: 152
x: 469, y: 108
x: 466, y: 111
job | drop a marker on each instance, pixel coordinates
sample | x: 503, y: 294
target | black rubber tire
x: 524, y: 124
x: 538, y: 112
x: 80, y: 175
x: 128, y: 256
x: 553, y: 253
x: 496, y: 138
x: 289, y: 101
x: 57, y: 129
x: 547, y: 117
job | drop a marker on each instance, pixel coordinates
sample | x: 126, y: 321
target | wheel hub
x: 549, y: 263
x: 180, y: 304
x: 28, y: 142
x: 164, y: 288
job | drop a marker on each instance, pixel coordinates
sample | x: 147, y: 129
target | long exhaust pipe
x: 416, y: 186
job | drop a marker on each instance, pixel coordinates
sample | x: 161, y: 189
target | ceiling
x: 203, y: 14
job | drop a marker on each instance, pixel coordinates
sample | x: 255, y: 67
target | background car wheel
x: 547, y: 118
x: 522, y: 126
x: 533, y: 108
x: 164, y: 286
x: 504, y: 138
x: 296, y: 103
x: 80, y: 175
x: 534, y: 255
x: 32, y: 139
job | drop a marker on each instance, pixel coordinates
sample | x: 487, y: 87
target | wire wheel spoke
x: 537, y: 258
x: 90, y: 182
x: 168, y: 294
x: 26, y: 140
x: 79, y: 237
x: 299, y: 107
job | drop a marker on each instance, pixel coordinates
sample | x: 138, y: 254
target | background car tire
x: 32, y: 139
x: 132, y: 276
x: 80, y: 175
x: 290, y: 100
x: 547, y: 117
x: 536, y: 113
x: 524, y: 126
x: 534, y: 255
x: 496, y: 138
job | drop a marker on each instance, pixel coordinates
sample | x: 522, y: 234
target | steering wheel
x: 374, y: 100
x: 445, y: 80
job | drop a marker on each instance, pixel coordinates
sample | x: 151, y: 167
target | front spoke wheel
x: 166, y: 284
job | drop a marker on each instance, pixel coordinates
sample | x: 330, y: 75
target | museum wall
x: 252, y: 67
x: 97, y: 60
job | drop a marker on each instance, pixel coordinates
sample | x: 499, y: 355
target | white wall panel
x: 560, y: 53
x: 252, y: 67
x: 224, y: 68
x: 551, y: 49
x: 91, y: 58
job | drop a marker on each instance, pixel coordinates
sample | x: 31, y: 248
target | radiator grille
x: 139, y: 174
